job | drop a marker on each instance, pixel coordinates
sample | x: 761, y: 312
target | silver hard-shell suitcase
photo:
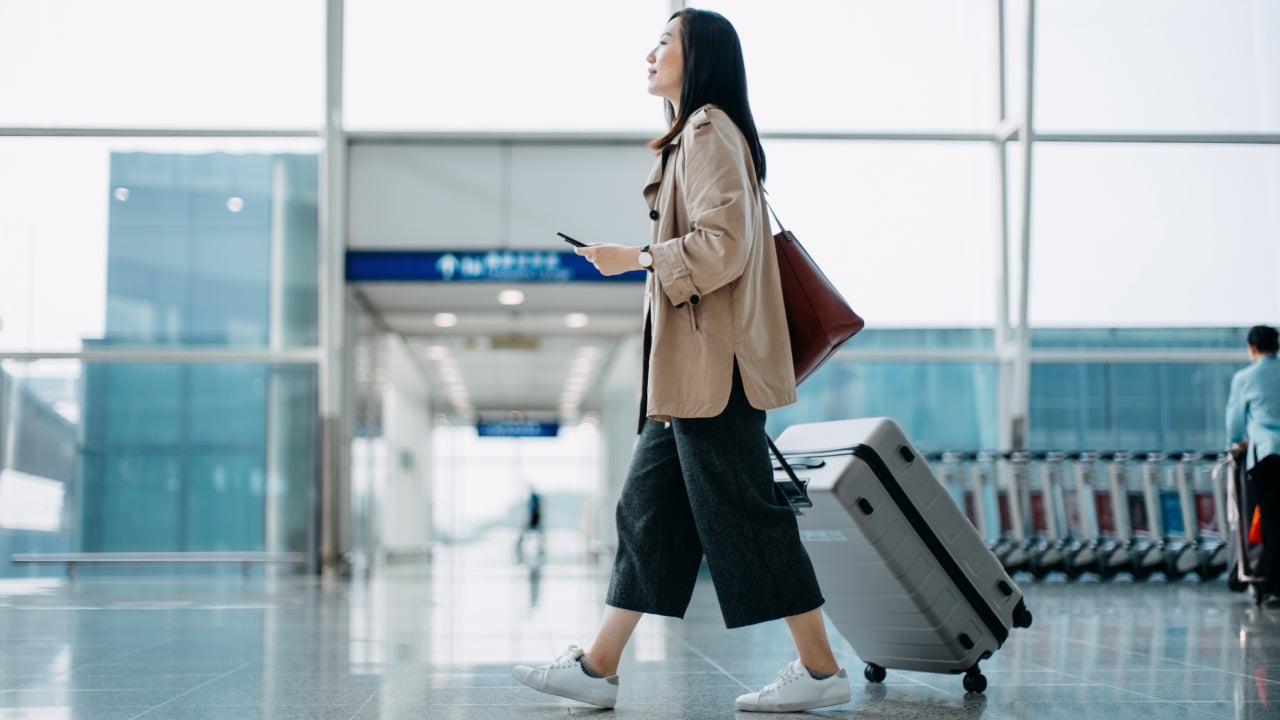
x: 907, y: 579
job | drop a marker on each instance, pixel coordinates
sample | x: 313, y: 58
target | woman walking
x: 716, y: 358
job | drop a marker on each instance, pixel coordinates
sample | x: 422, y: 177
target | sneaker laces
x: 785, y: 676
x: 567, y: 660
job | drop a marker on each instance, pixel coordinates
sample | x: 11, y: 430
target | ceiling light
x: 591, y: 417
x: 437, y: 352
x: 235, y: 204
x: 576, y: 320
x: 446, y: 320
x: 511, y: 297
x: 122, y: 194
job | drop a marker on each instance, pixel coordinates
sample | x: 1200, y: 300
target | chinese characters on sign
x: 482, y: 266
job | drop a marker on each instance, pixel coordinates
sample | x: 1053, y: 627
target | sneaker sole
x: 598, y: 702
x: 797, y: 707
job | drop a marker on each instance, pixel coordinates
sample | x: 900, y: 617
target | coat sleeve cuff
x: 675, y: 276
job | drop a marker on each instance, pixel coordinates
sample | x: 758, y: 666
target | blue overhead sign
x: 484, y: 266
x: 517, y: 429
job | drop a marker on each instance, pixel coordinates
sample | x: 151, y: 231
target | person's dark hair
x: 1264, y: 339
x: 715, y: 73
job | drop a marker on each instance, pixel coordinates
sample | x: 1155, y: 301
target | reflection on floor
x: 438, y: 641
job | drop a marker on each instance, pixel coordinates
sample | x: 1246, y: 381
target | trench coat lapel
x: 655, y: 175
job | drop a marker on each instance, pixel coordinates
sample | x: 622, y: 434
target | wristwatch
x: 646, y: 260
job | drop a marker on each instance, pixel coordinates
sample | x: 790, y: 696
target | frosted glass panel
x: 123, y: 241
x: 158, y: 63
x: 1170, y: 65
x: 1165, y: 236
x: 908, y: 232
x: 504, y: 65
x: 871, y: 64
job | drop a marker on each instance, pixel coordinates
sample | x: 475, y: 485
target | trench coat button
x: 653, y: 214
x: 695, y: 299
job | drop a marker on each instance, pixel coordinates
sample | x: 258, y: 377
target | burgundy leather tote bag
x: 818, y: 318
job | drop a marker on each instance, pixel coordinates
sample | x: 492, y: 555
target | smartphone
x: 571, y: 241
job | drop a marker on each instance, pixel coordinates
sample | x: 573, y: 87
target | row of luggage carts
x: 1104, y: 513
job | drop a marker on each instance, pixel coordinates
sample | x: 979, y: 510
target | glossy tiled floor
x: 436, y: 642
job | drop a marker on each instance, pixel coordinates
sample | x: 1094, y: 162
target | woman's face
x: 666, y: 64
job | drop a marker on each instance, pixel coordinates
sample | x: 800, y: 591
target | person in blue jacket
x: 1253, y: 416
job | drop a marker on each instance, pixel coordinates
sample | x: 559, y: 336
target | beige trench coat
x: 714, y: 294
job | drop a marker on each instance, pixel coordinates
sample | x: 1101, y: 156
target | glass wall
x: 144, y: 456
x: 1152, y: 228
x: 158, y: 64
x: 203, y: 252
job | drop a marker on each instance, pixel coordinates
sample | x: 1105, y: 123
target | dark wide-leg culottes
x: 705, y: 486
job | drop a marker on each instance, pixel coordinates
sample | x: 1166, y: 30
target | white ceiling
x: 521, y: 358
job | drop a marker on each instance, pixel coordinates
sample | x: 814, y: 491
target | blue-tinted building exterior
x: 204, y: 251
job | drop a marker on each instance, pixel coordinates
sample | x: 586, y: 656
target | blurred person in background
x: 1253, y: 419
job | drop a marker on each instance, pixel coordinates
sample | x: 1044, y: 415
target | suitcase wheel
x: 1021, y: 616
x: 874, y: 673
x: 975, y: 682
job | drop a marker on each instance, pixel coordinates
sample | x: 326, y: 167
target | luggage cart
x: 1115, y: 534
x: 1045, y: 509
x: 950, y: 471
x: 1179, y: 529
x: 1080, y: 554
x: 1145, y: 519
x: 1012, y: 471
x: 1203, y: 508
x: 982, y: 493
x: 1245, y: 556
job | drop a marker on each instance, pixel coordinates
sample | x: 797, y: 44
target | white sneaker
x: 567, y: 678
x: 795, y: 689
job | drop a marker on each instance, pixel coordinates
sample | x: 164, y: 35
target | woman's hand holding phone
x: 608, y: 259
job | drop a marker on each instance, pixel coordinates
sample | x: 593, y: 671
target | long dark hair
x: 713, y: 73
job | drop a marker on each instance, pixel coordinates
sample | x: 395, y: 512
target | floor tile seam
x: 188, y: 692
x: 368, y: 700
x: 1227, y: 673
x: 1182, y: 666
x: 115, y: 659
x: 917, y: 681
x: 708, y: 659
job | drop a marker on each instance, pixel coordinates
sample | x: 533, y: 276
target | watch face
x: 645, y: 259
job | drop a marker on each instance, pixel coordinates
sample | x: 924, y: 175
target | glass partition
x: 836, y: 65
x: 1157, y: 65
x: 907, y: 231
x: 155, y: 457
x: 1154, y: 235
x: 1130, y: 406
x: 154, y: 63
x: 206, y: 242
x: 941, y: 405
x: 507, y: 65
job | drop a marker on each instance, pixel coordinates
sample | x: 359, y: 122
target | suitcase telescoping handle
x: 794, y: 491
